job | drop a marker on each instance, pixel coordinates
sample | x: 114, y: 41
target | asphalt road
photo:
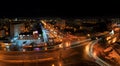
x: 63, y: 57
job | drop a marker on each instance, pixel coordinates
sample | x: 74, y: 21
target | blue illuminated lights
x: 22, y: 39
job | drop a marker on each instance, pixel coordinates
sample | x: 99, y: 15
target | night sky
x: 57, y: 10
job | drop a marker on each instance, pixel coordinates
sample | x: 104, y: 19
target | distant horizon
x: 62, y: 17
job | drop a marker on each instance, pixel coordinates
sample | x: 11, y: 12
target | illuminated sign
x: 35, y: 32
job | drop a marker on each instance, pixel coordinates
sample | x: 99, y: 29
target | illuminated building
x: 24, y: 34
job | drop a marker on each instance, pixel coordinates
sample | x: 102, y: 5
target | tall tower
x: 45, y: 37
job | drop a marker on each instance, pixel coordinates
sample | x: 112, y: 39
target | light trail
x: 97, y: 59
